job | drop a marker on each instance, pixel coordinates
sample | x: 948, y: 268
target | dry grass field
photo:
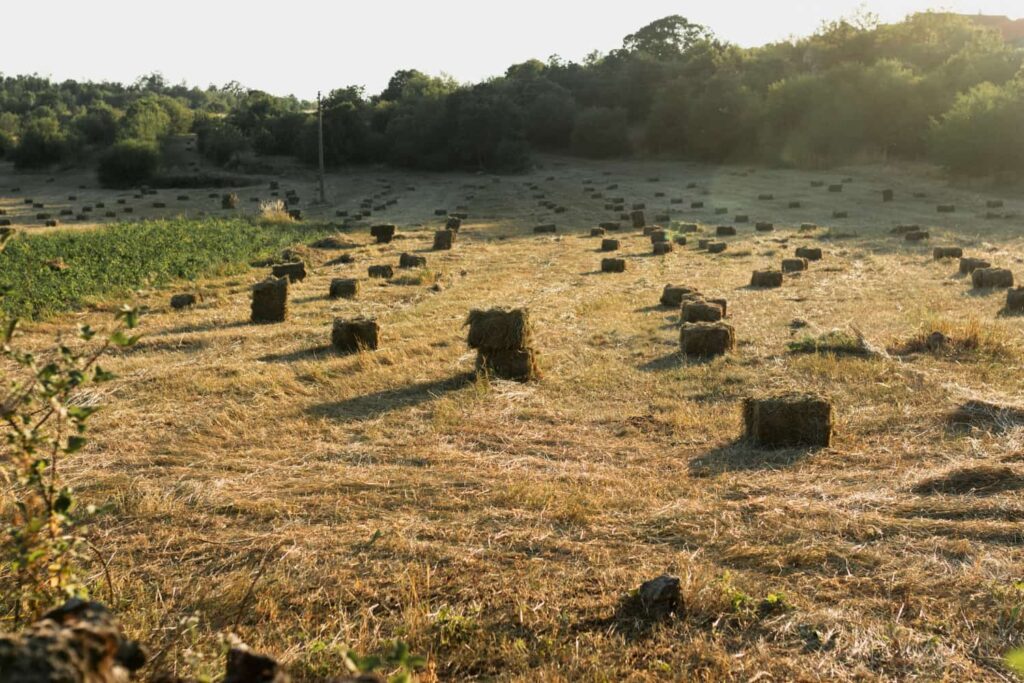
x: 255, y: 482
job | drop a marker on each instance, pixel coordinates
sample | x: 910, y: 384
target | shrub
x: 42, y: 143
x: 600, y: 132
x: 982, y: 132
x: 128, y: 163
x: 222, y: 142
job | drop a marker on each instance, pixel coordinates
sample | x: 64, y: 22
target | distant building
x: 1012, y: 29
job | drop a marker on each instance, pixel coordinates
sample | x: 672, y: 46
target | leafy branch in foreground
x: 43, y: 419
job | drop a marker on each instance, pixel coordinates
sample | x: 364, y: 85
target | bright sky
x: 300, y: 46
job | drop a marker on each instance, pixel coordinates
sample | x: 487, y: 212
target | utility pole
x: 320, y: 143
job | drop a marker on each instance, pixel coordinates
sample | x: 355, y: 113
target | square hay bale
x: 499, y: 329
x: 701, y: 312
x: 613, y: 265
x: 443, y: 240
x: 795, y: 205
x: 716, y: 247
x: 440, y: 212
x: 597, y: 232
x: 412, y: 261
x: 721, y: 303
x: 764, y: 227
x: 673, y: 296
x: 725, y: 231
x: 696, y: 205
x: 946, y: 208
x: 355, y: 335
x: 939, y: 253
x: 344, y: 288
x: 658, y: 235
x: 159, y: 205
x: 706, y: 340
x: 788, y: 421
x: 638, y: 219
x: 295, y: 214
x: 840, y: 214
x: 52, y: 223
x: 295, y: 272
x: 721, y: 212
x: 703, y: 243
x: 519, y: 365
x: 676, y: 200
x: 817, y: 183
x: 794, y: 265
x: 808, y: 227
x: 809, y: 253
x: 610, y: 245
x: 381, y: 271
x: 835, y: 188
x: 888, y: 195
x: 680, y: 240
x: 689, y: 227
x: 454, y: 223
x: 1015, y: 300
x: 741, y: 218
x: 383, y: 233
x: 916, y: 236
x: 547, y: 228
x: 610, y: 225
x: 990, y: 278
x: 765, y: 197
x: 765, y: 279
x: 639, y: 206
x: 270, y: 300
x: 969, y: 265
x: 662, y: 248
x: 179, y: 301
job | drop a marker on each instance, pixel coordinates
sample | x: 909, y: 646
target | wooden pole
x: 320, y: 143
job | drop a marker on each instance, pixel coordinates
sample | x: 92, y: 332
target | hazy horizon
x: 262, y: 47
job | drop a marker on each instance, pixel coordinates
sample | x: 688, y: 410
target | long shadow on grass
x: 205, y: 327
x: 672, y: 361
x: 381, y: 402
x: 302, y: 354
x: 739, y: 456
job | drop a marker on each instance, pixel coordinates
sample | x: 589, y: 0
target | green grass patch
x: 60, y: 271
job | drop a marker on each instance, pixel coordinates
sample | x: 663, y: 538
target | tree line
x: 937, y: 87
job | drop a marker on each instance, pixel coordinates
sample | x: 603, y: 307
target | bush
x: 42, y: 144
x: 982, y: 132
x: 600, y: 132
x: 128, y: 163
x: 220, y: 143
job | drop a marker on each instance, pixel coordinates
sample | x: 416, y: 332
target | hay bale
x: 725, y: 231
x: 1015, y: 300
x: 794, y: 265
x: 544, y: 229
x: 716, y: 247
x: 888, y: 195
x: 673, y: 296
x: 613, y: 265
x: 610, y: 225
x: 764, y: 227
x: 295, y: 214
x: 454, y: 223
x: 270, y: 300
x: 662, y: 248
x: 696, y: 205
x: 701, y: 312
x: 382, y: 272
x: 809, y: 253
x: 969, y: 265
x: 939, y: 253
x: 660, y: 597
x: 703, y: 243
x: 383, y: 233
x: 916, y: 236
x: 638, y: 219
x: 946, y: 208
x: 355, y: 335
x: 179, y: 301
x: 639, y: 206
x: 808, y: 227
x: 597, y: 232
x: 840, y: 214
x: 610, y: 245
x: 680, y: 240
x: 689, y: 227
x: 344, y: 288
x: 989, y: 278
x: 52, y: 223
x: 295, y: 272
x: 721, y: 303
x: 499, y: 329
x: 765, y: 197
x: 741, y: 218
x: 658, y: 235
x: 795, y: 205
x: 412, y: 261
x: 159, y: 205
x: 788, y: 421
x: 721, y: 212
x: 443, y: 239
x: 766, y: 279
x: 835, y: 188
x: 676, y: 200
x: 706, y: 339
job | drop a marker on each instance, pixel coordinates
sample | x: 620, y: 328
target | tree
x: 666, y: 39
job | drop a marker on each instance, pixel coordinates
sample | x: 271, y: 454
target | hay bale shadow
x: 674, y: 360
x: 740, y: 456
x: 380, y: 403
x: 204, y: 327
x: 302, y: 354
x: 982, y: 480
x: 985, y: 416
x: 629, y: 620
